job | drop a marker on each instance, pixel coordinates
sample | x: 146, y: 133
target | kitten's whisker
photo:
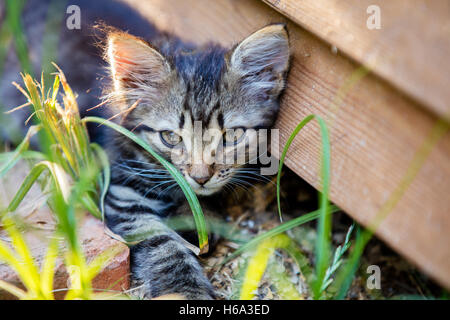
x: 261, y: 177
x: 134, y: 170
x: 243, y: 182
x: 253, y: 173
x: 143, y: 172
x: 254, y: 178
x: 233, y: 191
x: 142, y: 162
x: 256, y: 158
x: 250, y: 169
x: 157, y: 185
x: 167, y: 190
x: 147, y: 178
x: 243, y: 187
x: 140, y: 166
x: 146, y: 175
x: 120, y: 164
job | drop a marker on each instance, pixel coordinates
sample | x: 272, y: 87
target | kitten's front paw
x: 163, y: 266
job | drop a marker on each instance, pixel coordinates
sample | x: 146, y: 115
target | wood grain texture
x: 375, y: 131
x: 411, y: 50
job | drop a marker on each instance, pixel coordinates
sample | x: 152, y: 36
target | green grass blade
x: 19, y: 293
x: 59, y: 177
x: 13, y: 18
x: 5, y: 43
x: 48, y: 269
x: 345, y: 277
x: 25, y: 257
x: 50, y: 40
x: 90, y: 205
x: 65, y: 211
x: 190, y: 195
x: 106, y: 179
x: 283, y: 156
x: 337, y: 260
x: 33, y: 96
x: 324, y: 226
x: 25, y: 187
x: 26, y: 154
x: 16, y: 155
x: 279, y: 229
x: 7, y: 256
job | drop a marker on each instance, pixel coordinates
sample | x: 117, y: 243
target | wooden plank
x: 375, y: 131
x: 411, y: 50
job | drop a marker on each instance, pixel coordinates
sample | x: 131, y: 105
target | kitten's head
x: 185, y: 103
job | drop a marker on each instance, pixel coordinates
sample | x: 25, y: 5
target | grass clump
x: 71, y: 166
x: 66, y: 151
x: 78, y: 174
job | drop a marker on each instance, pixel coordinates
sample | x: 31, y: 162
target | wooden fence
x: 384, y: 93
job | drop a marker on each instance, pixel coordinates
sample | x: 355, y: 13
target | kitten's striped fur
x: 172, y: 85
x: 173, y: 88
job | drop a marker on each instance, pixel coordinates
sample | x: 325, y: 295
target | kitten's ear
x: 135, y: 66
x: 262, y: 61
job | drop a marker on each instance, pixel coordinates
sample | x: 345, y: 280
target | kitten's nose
x: 201, y: 173
x: 201, y: 180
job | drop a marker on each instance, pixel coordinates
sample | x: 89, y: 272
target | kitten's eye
x: 232, y: 137
x: 170, y: 138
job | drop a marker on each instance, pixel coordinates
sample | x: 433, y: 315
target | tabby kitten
x: 170, y: 95
x: 176, y: 91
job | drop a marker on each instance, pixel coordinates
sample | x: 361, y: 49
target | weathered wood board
x: 375, y: 130
x: 411, y: 49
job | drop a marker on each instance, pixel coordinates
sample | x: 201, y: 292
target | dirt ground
x: 255, y: 211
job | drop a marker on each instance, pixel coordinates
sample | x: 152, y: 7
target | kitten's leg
x: 161, y: 264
